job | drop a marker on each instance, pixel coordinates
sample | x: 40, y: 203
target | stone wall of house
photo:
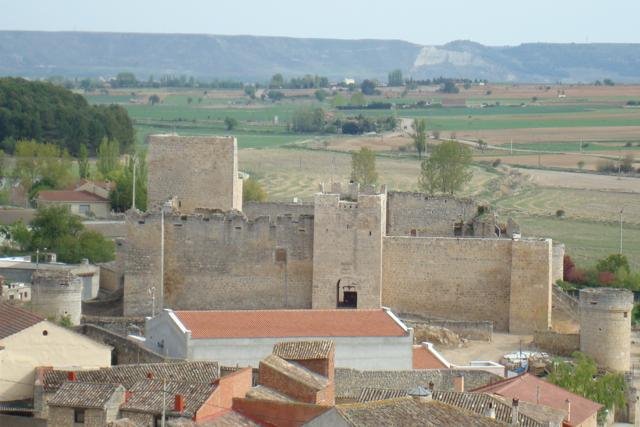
x: 273, y: 210
x: 219, y: 261
x: 347, y: 248
x: 201, y: 172
x: 556, y: 343
x: 64, y: 417
x: 498, y: 280
x: 429, y: 216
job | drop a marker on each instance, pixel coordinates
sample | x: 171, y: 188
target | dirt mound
x: 436, y: 335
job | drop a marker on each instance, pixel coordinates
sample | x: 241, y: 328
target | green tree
x: 308, y: 119
x: 275, y: 95
x: 368, y: 87
x: 583, y: 379
x: 449, y: 87
x: 230, y: 123
x: 44, y: 164
x: 154, y: 99
x: 126, y: 79
x: 96, y: 247
x: 83, y: 161
x: 2, y: 164
x: 121, y: 195
x: 613, y: 264
x: 250, y: 91
x: 19, y: 234
x: 320, y: 95
x: 419, y: 135
x: 108, y: 156
x: 447, y: 169
x: 277, y: 81
x: 363, y: 167
x: 395, y: 78
x: 252, y: 191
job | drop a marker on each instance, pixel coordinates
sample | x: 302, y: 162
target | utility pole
x: 152, y: 292
x: 161, y: 302
x: 133, y: 190
x: 621, y: 211
x: 164, y: 400
x: 512, y: 146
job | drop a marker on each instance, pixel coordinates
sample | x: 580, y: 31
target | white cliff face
x: 431, y: 55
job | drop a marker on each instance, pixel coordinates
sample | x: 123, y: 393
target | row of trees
x: 306, y: 82
x: 45, y: 112
x: 613, y: 270
x: 314, y: 119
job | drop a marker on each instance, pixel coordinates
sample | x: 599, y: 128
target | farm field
x: 589, y: 125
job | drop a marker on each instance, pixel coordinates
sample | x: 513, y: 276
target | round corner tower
x: 56, y: 293
x: 605, y: 326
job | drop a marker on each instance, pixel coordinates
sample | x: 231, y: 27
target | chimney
x: 179, y: 403
x: 127, y: 395
x: 458, y: 383
x: 150, y: 375
x: 490, y: 412
x: 568, y: 403
x: 71, y: 376
x: 514, y: 411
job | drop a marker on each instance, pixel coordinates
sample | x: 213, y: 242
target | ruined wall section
x: 468, y: 279
x: 430, y: 216
x: 201, y: 172
x: 273, y: 210
x: 223, y: 261
x: 348, y: 249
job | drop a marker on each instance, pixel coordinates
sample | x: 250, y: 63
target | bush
x: 560, y: 213
x: 496, y: 163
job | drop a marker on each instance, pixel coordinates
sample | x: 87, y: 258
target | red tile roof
x: 528, y: 387
x: 424, y: 359
x: 69, y: 196
x: 290, y: 323
x: 14, y: 319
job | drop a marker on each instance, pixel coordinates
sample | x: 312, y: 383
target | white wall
x: 164, y: 328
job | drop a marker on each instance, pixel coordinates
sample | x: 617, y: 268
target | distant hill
x: 249, y: 58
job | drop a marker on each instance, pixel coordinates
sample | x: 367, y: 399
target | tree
x: 447, y: 169
x: 363, y: 167
x: 121, y: 195
x: 277, y: 81
x: 252, y: 191
x: 449, y: 87
x: 368, y: 87
x: 308, y: 119
x: 83, y: 162
x: 395, y: 78
x: 613, y: 264
x: 320, y: 95
x: 154, y: 99
x: 419, y: 135
x: 582, y: 378
x: 44, y: 164
x: 126, y: 79
x: 230, y: 123
x: 108, y: 156
x: 250, y: 91
x: 275, y: 95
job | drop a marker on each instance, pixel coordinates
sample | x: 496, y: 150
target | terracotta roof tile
x: 406, y: 411
x: 128, y: 375
x: 147, y: 396
x: 424, y: 359
x: 228, y: 419
x: 372, y: 394
x: 296, y: 372
x: 70, y: 196
x: 289, y: 323
x: 14, y: 319
x: 84, y: 395
x: 265, y: 393
x: 304, y: 350
x: 529, y: 388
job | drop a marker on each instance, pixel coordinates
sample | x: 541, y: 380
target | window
x: 78, y: 416
x: 84, y: 209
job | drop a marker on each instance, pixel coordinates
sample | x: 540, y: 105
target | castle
x: 356, y: 247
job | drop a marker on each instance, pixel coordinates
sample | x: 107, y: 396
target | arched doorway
x: 346, y: 294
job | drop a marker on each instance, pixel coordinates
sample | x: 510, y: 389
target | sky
x: 490, y: 22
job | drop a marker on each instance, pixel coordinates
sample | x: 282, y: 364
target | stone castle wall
x: 218, y: 261
x: 273, y: 210
x: 467, y: 279
x: 201, y: 172
x: 430, y: 216
x: 347, y: 248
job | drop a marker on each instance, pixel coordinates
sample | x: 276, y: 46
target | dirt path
x: 480, y: 350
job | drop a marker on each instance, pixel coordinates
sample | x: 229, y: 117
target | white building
x: 16, y: 292
x: 364, y: 339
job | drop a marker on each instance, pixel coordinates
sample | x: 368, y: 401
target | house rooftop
x: 147, y: 396
x: 83, y: 395
x: 128, y: 375
x: 304, y: 350
x: 296, y: 372
x: 291, y: 323
x: 261, y: 392
x: 70, y: 196
x: 529, y: 388
x: 399, y: 410
x: 14, y: 319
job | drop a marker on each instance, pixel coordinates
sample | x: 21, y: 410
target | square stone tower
x: 199, y: 171
x: 347, y: 247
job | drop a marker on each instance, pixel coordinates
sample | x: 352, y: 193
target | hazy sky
x: 493, y: 22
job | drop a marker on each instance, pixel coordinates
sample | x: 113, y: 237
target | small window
x: 625, y: 314
x: 84, y: 209
x: 414, y: 232
x: 78, y: 416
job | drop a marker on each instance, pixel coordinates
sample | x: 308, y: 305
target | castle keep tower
x: 347, y: 247
x: 605, y: 326
x: 200, y: 172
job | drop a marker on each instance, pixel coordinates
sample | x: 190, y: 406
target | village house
x: 364, y: 339
x: 29, y: 341
x: 88, y: 404
x: 86, y: 198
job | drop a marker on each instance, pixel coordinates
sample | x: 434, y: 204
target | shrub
x: 560, y: 213
x: 496, y: 163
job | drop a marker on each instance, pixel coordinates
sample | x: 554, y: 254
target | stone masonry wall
x: 347, y: 249
x: 467, y: 279
x: 430, y: 216
x: 218, y: 261
x: 273, y: 210
x: 201, y: 172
